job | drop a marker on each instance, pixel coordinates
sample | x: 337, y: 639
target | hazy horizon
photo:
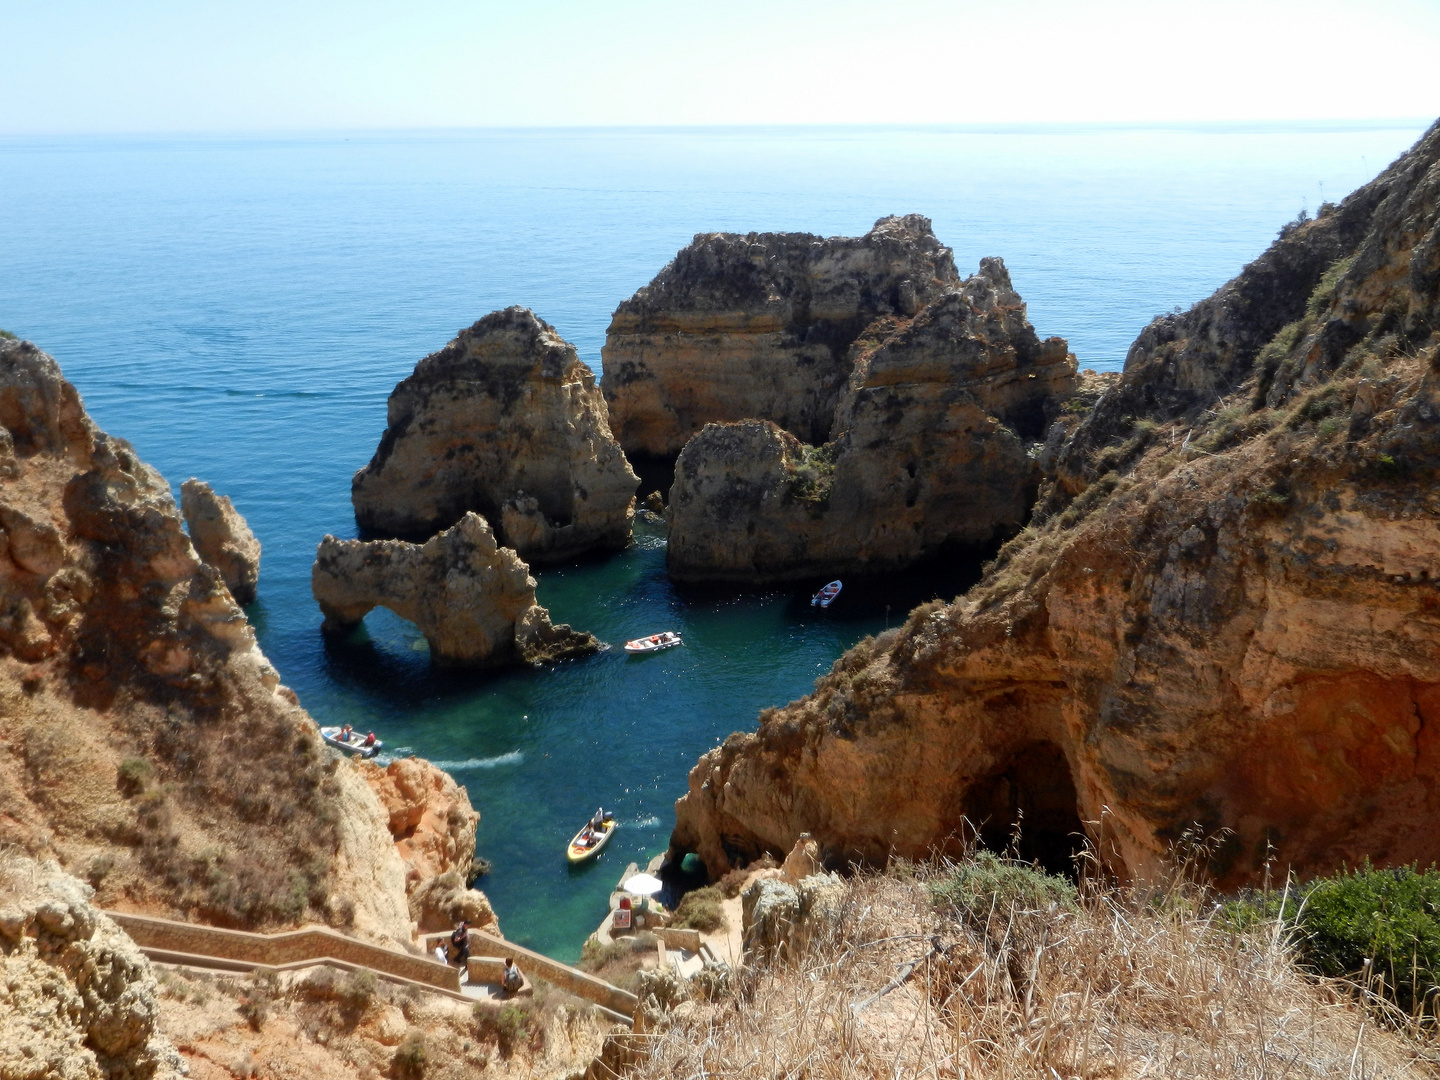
x: 86, y: 67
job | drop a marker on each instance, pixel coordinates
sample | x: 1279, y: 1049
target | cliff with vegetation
x: 147, y: 744
x: 505, y: 421
x: 929, y: 449
x: 1223, y: 615
x: 759, y: 326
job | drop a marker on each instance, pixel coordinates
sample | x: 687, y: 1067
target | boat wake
x: 514, y: 757
x: 644, y: 823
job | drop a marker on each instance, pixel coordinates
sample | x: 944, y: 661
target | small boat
x: 826, y: 596
x: 654, y: 643
x: 588, y: 842
x: 351, y: 742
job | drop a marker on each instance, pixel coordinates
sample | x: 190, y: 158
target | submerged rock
x: 1222, y: 622
x: 473, y: 600
x: 222, y: 538
x: 505, y: 421
x: 759, y: 326
x: 930, y: 451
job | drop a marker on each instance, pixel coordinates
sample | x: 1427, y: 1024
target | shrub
x: 617, y: 962
x: 1389, y: 917
x: 5, y: 335
x: 731, y: 884
x: 700, y: 910
x: 358, y: 990
x: 984, y: 882
x: 511, y: 1026
x: 1320, y: 297
x: 255, y: 1003
x: 409, y: 1060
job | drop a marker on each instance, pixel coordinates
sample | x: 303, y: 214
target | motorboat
x: 826, y: 596
x: 654, y: 643
x: 352, y: 742
x: 589, y: 841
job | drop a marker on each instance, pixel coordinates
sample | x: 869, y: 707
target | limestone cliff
x: 1225, y: 615
x: 759, y: 326
x: 146, y: 743
x: 222, y: 538
x: 433, y: 824
x: 473, y: 600
x: 930, y: 450
x: 77, y: 999
x: 507, y: 422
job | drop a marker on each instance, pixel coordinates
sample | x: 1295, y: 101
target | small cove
x: 240, y: 308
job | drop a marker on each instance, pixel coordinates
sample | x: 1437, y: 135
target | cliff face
x: 473, y: 600
x: 222, y: 538
x: 77, y: 998
x: 146, y: 742
x: 507, y: 422
x: 1225, y: 614
x: 930, y: 451
x: 759, y: 325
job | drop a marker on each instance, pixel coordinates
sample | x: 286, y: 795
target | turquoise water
x: 240, y: 308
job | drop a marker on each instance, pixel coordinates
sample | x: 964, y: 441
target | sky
x: 175, y: 66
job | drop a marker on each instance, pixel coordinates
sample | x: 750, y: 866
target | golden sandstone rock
x: 222, y: 538
x: 758, y: 326
x: 473, y: 600
x: 929, y: 450
x: 1222, y: 620
x: 505, y: 421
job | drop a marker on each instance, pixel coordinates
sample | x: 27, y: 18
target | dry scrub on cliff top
x: 927, y: 975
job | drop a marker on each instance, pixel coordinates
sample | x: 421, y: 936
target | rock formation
x: 433, y: 824
x: 759, y: 326
x: 1223, y: 618
x: 147, y: 744
x: 507, y: 422
x: 77, y: 999
x: 930, y: 450
x: 473, y: 600
x: 222, y: 538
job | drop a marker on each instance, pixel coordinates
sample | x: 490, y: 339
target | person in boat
x: 369, y: 740
x: 510, y: 979
x: 598, y: 821
x: 460, y: 943
x: 345, y: 733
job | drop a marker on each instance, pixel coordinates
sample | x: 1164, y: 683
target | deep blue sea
x: 239, y: 309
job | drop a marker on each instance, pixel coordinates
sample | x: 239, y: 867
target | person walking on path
x: 460, y: 942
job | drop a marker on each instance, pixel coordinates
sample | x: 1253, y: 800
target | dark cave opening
x: 1028, y: 807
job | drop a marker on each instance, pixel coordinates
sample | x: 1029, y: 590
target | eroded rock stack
x: 473, y: 600
x: 759, y: 326
x: 222, y: 538
x: 930, y: 449
x: 507, y: 422
x: 1221, y: 623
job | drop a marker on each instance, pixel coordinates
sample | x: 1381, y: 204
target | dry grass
x: 1127, y: 983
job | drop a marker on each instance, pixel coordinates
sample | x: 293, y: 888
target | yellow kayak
x: 588, y: 843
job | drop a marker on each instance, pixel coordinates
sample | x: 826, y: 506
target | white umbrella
x: 644, y: 884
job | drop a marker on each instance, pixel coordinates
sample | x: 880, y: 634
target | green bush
x: 409, y: 1060
x: 510, y: 1026
x: 984, y: 882
x: 1389, y: 917
x: 358, y: 990
x: 134, y: 776
x: 700, y: 910
x: 1320, y: 298
x: 5, y: 335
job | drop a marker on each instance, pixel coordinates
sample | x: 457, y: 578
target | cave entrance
x: 1032, y: 797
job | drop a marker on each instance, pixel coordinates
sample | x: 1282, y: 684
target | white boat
x: 654, y: 643
x: 826, y: 596
x: 352, y: 742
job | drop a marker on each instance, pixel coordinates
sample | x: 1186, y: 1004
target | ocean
x: 239, y: 309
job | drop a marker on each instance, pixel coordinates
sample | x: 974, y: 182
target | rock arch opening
x: 1029, y: 805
